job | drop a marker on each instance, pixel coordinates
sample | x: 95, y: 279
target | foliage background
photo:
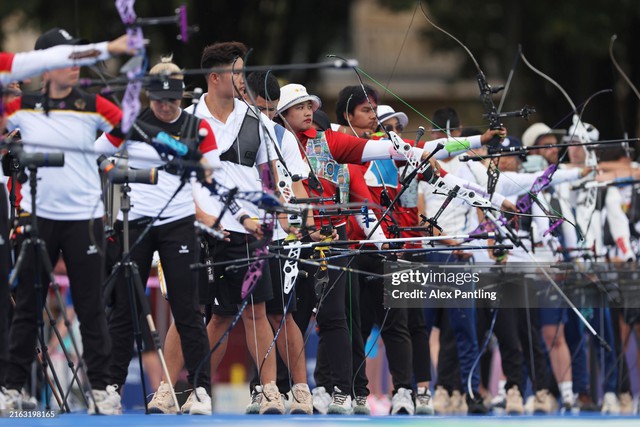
x: 567, y: 40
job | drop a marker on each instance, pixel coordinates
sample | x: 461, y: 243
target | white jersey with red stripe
x: 148, y: 200
x: 71, y: 192
x: 231, y: 175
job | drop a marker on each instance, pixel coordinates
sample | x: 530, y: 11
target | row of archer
x: 325, y: 170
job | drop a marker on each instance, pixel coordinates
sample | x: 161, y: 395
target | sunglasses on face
x: 392, y: 128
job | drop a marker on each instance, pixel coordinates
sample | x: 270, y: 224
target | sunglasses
x: 391, y: 128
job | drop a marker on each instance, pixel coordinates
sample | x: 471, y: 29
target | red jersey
x: 326, y: 152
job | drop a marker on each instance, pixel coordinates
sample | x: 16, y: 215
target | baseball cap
x: 55, y: 37
x: 166, y: 88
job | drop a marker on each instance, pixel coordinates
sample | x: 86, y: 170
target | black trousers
x: 506, y: 331
x: 449, y: 375
x: 420, y: 350
x: 533, y: 351
x: 176, y: 243
x: 305, y: 294
x: 395, y: 331
x: 354, y: 308
x: 334, y: 343
x: 277, y: 305
x: 85, y: 268
x: 305, y: 303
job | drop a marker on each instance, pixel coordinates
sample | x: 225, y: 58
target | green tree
x: 279, y: 31
x: 567, y: 40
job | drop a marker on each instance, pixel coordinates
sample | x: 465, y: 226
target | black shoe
x: 586, y: 404
x: 476, y: 406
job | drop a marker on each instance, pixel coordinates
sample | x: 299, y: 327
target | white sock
x: 501, y: 386
x: 566, y: 390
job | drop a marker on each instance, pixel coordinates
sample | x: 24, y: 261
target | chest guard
x: 244, y: 149
x: 326, y: 167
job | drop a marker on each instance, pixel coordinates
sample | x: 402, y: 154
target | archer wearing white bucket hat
x: 386, y: 112
x: 293, y: 94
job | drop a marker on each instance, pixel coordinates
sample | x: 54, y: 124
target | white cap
x: 533, y: 132
x: 293, y: 94
x: 385, y: 112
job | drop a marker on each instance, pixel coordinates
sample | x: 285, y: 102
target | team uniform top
x: 71, y: 192
x: 332, y: 148
x: 230, y: 174
x: 148, y: 200
x: 326, y: 150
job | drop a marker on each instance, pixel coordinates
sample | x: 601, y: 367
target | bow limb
x: 473, y: 58
x: 579, y: 130
x: 491, y: 112
x: 619, y: 68
x: 626, y: 79
x: 135, y: 67
x: 549, y: 79
x: 509, y: 78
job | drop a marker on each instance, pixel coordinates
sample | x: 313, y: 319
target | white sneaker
x: 514, y: 404
x: 321, y: 400
x: 186, y: 407
x: 626, y: 404
x: 286, y: 402
x: 458, y: 403
x: 340, y: 403
x: 271, y: 400
x: 29, y: 403
x: 402, y: 402
x: 104, y: 402
x: 162, y: 401
x: 528, y: 405
x: 360, y: 405
x: 542, y: 403
x: 610, y: 404
x: 570, y: 404
x: 379, y: 405
x: 302, y: 402
x: 13, y: 400
x: 424, y: 403
x: 200, y: 402
x: 441, y: 401
x: 256, y: 399
x: 499, y: 403
x: 3, y: 401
